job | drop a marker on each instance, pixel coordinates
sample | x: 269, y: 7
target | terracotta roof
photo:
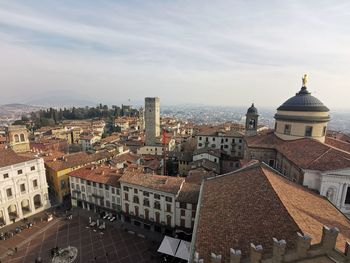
x: 169, y: 184
x: 197, y: 176
x: 340, y: 144
x: 306, y: 153
x: 98, y: 173
x: 78, y: 159
x: 255, y: 204
x: 211, y: 151
x: 215, y: 131
x: 126, y: 157
x: 314, y: 155
x: 265, y: 140
x: 9, y: 157
x: 207, y: 165
x: 189, y: 193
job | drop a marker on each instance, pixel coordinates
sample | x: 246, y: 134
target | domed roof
x: 252, y: 110
x: 303, y: 101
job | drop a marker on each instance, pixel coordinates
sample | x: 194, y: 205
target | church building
x: 298, y: 148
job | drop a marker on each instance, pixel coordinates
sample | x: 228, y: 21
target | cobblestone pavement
x: 115, y: 245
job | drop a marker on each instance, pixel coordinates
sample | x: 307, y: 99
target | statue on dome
x: 304, y: 79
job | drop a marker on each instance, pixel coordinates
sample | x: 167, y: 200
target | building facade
x: 18, y: 138
x: 24, y: 190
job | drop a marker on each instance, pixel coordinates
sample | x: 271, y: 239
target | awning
x: 169, y: 246
x: 183, y: 250
x: 175, y: 247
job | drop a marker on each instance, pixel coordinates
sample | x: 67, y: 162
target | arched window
x: 22, y: 137
x: 16, y: 138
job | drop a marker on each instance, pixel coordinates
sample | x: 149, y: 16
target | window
x: 107, y: 194
x: 32, y: 168
x: 226, y: 140
x: 157, y: 217
x: 135, y: 191
x: 200, y: 144
x: 225, y: 146
x: 83, y: 188
x: 113, y: 190
x: 6, y: 175
x: 200, y: 138
x: 22, y: 137
x: 63, y: 184
x: 240, y: 140
x: 145, y: 193
x: 324, y: 130
x: 222, y: 140
x: 108, y: 204
x: 168, y: 207
x: 125, y: 188
x: 308, y: 131
x: 9, y: 192
x: 88, y: 183
x: 136, y: 199
x: 183, y: 222
x: 347, y: 197
x: 287, y: 129
x: 156, y: 196
x: 126, y: 196
x: 168, y: 199
x: 35, y: 183
x: 93, y: 184
x: 101, y: 186
x: 183, y: 212
x: 213, y: 139
x: 193, y: 213
x: 136, y: 211
x: 168, y: 220
x: 72, y: 185
x: 146, y: 202
x: 106, y: 187
x: 239, y: 147
x: 157, y: 205
x: 146, y: 214
x: 206, y: 139
x: 16, y: 138
x: 215, y: 160
x: 20, y: 171
x: 183, y: 205
x: 22, y: 187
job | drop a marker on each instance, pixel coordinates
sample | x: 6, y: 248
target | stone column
x: 19, y: 210
x: 6, y: 216
x: 344, y: 192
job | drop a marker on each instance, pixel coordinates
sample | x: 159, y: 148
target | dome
x: 303, y: 101
x: 252, y: 110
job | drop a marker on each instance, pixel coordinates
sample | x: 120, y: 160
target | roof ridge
x: 319, y: 157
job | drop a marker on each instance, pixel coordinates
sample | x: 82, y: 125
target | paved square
x: 115, y: 245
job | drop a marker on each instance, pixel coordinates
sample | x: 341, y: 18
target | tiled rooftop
x: 255, y: 204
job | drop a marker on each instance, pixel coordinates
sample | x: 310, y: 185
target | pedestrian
x: 107, y: 254
x: 16, y: 249
x: 95, y: 258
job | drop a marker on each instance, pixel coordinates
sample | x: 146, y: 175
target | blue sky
x: 208, y: 52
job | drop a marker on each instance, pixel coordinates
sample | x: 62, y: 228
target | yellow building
x: 57, y: 170
x: 302, y: 116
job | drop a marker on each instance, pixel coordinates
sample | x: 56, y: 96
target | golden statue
x: 304, y: 80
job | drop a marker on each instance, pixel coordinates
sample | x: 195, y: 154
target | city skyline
x: 179, y: 51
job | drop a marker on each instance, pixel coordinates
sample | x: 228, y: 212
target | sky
x: 228, y: 53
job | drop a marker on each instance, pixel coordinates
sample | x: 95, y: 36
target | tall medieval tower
x: 152, y: 120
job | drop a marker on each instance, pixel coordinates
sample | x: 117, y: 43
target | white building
x: 149, y: 200
x: 229, y: 141
x: 87, y: 142
x: 96, y: 188
x: 24, y: 190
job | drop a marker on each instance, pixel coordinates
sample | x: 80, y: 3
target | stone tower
x: 251, y: 122
x: 18, y: 138
x: 152, y: 120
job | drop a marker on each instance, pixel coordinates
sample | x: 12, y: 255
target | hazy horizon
x: 228, y: 53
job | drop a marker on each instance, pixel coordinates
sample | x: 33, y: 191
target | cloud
x: 225, y: 50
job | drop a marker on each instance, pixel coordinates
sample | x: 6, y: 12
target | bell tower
x: 18, y: 138
x: 251, y: 122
